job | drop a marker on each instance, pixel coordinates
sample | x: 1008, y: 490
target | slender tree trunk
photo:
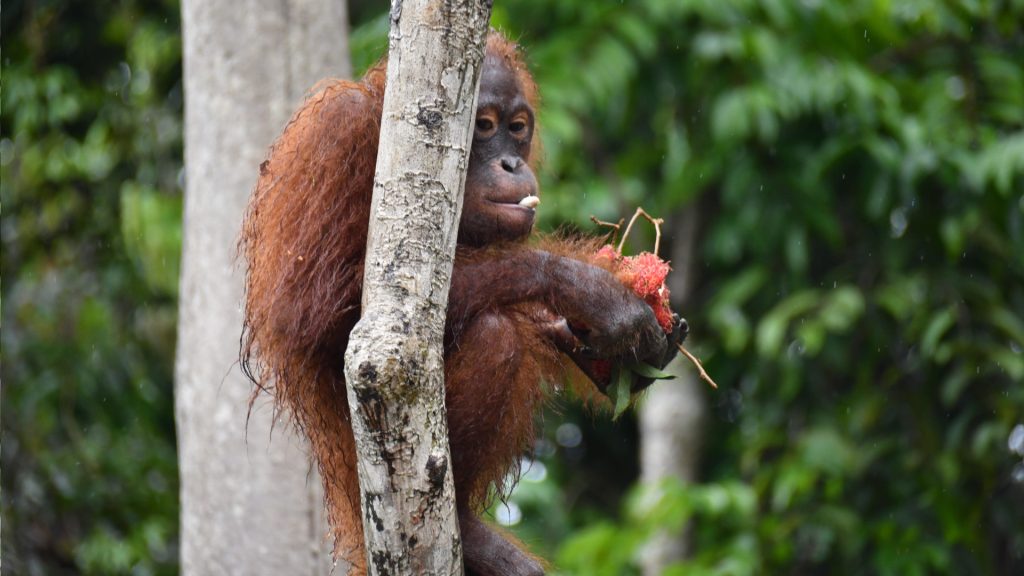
x: 670, y: 418
x: 248, y: 506
x: 394, y: 364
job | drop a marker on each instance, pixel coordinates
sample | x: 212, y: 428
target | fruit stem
x: 703, y: 375
x: 657, y: 222
x: 616, y: 227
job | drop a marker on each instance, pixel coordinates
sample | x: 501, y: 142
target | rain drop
x: 898, y: 222
x: 955, y: 88
x: 1016, y: 440
x: 1018, y: 473
x: 569, y: 435
x: 508, y: 514
x: 533, y: 471
x: 6, y: 151
x: 796, y: 349
x: 543, y: 448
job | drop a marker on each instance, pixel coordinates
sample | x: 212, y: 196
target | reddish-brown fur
x: 304, y: 240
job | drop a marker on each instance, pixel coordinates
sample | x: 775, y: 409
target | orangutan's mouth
x: 530, y: 202
x: 527, y: 203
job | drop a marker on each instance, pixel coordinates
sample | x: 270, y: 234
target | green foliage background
x: 858, y: 173
x: 91, y: 157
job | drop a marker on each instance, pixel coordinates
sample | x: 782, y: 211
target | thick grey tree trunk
x: 671, y: 415
x: 394, y: 363
x: 248, y: 505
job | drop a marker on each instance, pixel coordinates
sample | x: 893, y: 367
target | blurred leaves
x: 857, y: 169
x: 90, y: 154
x: 613, y: 549
x: 151, y: 226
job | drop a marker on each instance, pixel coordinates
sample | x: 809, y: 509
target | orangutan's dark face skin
x: 501, y: 188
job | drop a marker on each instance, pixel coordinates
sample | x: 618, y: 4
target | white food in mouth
x: 530, y: 202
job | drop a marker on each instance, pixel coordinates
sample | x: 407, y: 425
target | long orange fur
x: 304, y: 239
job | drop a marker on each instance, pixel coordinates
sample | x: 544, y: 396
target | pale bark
x: 671, y: 415
x: 394, y: 363
x: 248, y: 506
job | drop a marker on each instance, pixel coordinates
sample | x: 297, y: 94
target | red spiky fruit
x: 645, y: 275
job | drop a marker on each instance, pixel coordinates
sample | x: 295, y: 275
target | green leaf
x: 937, y: 326
x: 648, y: 371
x: 843, y: 306
x: 620, y: 391
x: 772, y: 329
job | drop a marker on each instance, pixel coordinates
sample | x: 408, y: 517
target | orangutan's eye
x: 484, y: 124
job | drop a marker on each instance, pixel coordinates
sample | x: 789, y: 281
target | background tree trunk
x: 395, y: 364
x: 671, y: 415
x: 248, y: 506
